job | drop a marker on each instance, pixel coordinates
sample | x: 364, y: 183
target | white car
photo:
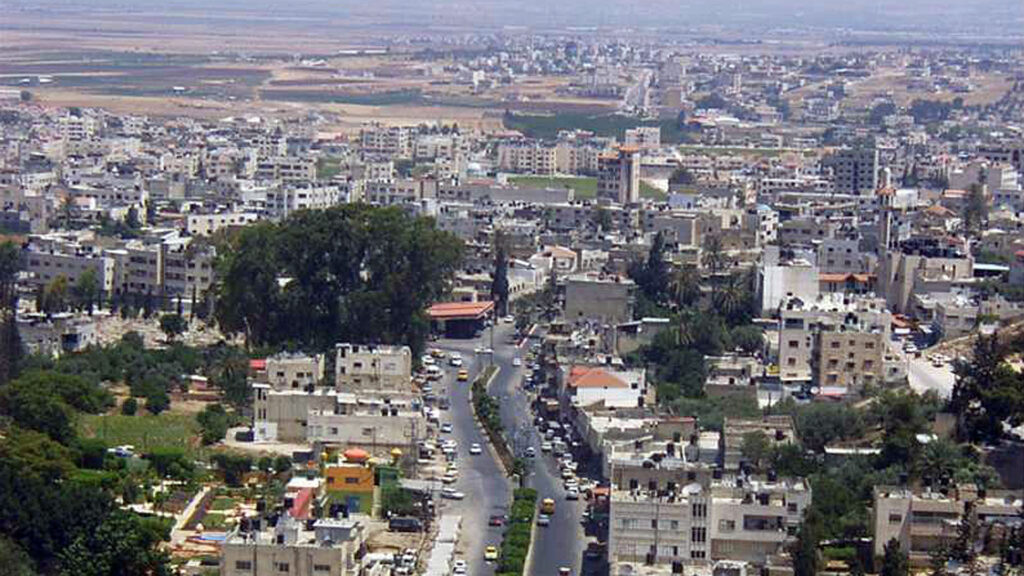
x: 475, y: 449
x: 543, y: 520
x: 530, y: 452
x: 517, y: 361
x: 545, y: 447
x: 572, y: 493
x: 451, y: 494
x: 455, y: 360
x: 446, y: 428
x: 483, y: 351
x: 449, y: 477
x: 510, y: 319
x: 460, y: 567
x: 427, y: 360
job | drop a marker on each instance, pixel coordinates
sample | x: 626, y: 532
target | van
x: 547, y: 506
x: 404, y: 524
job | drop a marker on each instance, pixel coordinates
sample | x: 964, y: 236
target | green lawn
x: 222, y: 504
x: 585, y: 187
x: 143, y: 431
x: 215, y: 521
x: 648, y: 191
x: 327, y: 167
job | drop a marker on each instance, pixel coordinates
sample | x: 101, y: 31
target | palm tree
x: 686, y: 287
x: 730, y: 299
x: 713, y: 256
x: 686, y: 331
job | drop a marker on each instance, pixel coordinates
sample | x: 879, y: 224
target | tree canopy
x: 349, y: 273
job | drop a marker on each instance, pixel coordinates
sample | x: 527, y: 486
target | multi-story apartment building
x: 188, y: 270
x: 618, y: 176
x: 731, y: 518
x: 282, y: 201
x: 854, y: 170
x: 605, y: 299
x: 643, y: 137
x: 835, y: 341
x: 46, y: 261
x: 207, y: 224
x: 372, y: 367
x: 286, y: 169
x: 387, y: 141
x: 528, y: 157
x: 926, y: 519
x: 324, y: 547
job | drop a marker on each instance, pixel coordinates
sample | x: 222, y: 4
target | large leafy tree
x: 352, y: 272
x: 499, y: 283
x: 987, y: 392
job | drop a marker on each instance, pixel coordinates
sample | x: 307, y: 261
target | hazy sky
x: 879, y: 14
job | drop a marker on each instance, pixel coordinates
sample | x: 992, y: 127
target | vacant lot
x: 144, y: 431
x: 584, y: 187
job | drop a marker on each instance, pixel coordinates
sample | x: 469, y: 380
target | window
x: 243, y: 565
x: 698, y: 554
x: 791, y: 508
x: 674, y: 524
x: 351, y: 480
x: 321, y: 568
x: 283, y: 567
x: 895, y: 518
x: 698, y: 534
x: 700, y: 510
x: 726, y: 525
x: 654, y: 524
x: 834, y: 344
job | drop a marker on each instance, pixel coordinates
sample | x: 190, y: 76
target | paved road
x: 561, y: 543
x: 922, y: 377
x: 481, y: 477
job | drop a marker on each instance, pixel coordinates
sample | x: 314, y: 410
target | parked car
x: 451, y: 494
x: 475, y: 449
x: 491, y: 553
x: 496, y: 520
x: 543, y: 520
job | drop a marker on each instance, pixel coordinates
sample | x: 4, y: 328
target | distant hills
x: 969, y: 16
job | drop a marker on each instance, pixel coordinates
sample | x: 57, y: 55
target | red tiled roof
x: 584, y: 377
x: 454, y: 310
x: 300, y: 505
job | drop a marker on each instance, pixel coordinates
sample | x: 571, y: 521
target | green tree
x: 173, y: 325
x: 213, y: 421
x: 282, y: 464
x: 804, y: 549
x: 129, y: 407
x: 119, y: 546
x: 748, y: 338
x: 499, y: 284
x: 755, y: 448
x: 682, y: 177
x: 233, y: 466
x: 713, y: 255
x: 86, y: 290
x: 686, y: 287
x: 986, y: 392
x: 975, y: 210
x: 39, y: 409
x: 15, y: 560
x: 894, y: 561
x: 54, y: 296
x: 157, y: 401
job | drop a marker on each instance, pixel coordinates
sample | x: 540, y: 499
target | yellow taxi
x: 463, y: 375
x: 491, y: 553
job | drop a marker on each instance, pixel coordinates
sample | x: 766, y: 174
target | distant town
x: 510, y: 303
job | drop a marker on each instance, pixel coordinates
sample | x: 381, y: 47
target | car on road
x: 455, y: 360
x: 450, y: 477
x: 475, y: 449
x: 530, y: 452
x: 496, y: 520
x: 483, y: 350
x: 572, y: 494
x: 446, y: 428
x: 517, y: 361
x: 510, y: 319
x: 459, y: 566
x: 451, y: 494
x: 491, y: 553
x: 545, y: 447
x: 547, y: 506
x: 571, y: 483
x: 564, y: 571
x: 427, y: 360
x: 543, y: 520
x: 463, y: 375
x: 566, y: 474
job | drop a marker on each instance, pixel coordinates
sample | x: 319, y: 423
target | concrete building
x: 923, y: 520
x: 324, y: 547
x: 286, y: 169
x: 597, y: 298
x: 854, y: 170
x: 372, y: 367
x: 618, y: 175
x: 780, y: 283
x: 207, y: 224
x: 690, y: 524
x: 643, y: 137
x: 387, y: 141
